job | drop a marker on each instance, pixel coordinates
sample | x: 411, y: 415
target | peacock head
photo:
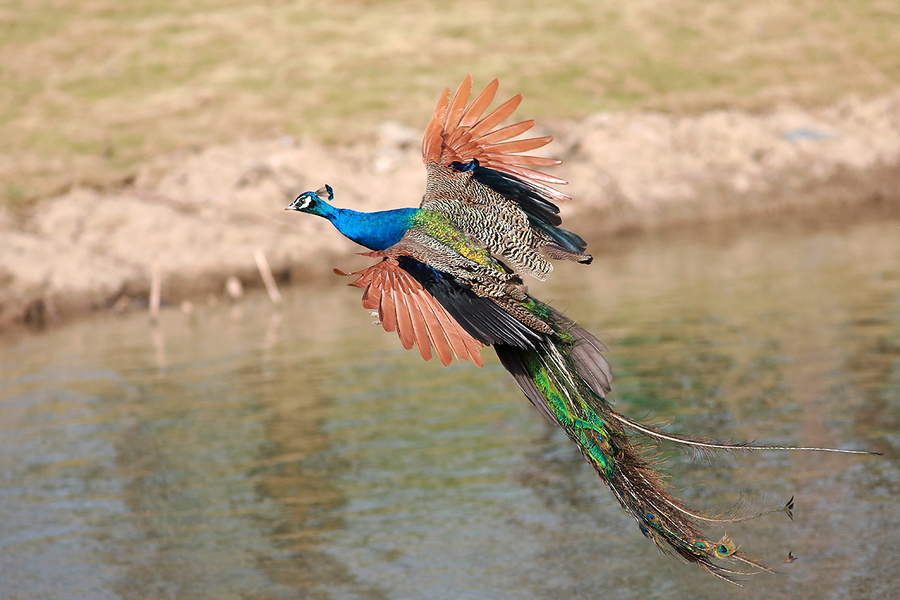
x: 313, y: 202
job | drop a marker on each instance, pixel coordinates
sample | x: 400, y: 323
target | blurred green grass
x: 90, y: 90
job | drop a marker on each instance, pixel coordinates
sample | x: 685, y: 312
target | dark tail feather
x: 567, y: 378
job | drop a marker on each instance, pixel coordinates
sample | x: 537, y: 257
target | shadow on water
x: 252, y: 452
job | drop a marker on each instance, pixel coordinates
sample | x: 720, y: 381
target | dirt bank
x: 202, y: 215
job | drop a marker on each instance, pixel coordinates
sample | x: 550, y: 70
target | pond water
x: 248, y: 451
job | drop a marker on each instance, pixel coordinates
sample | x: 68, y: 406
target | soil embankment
x: 202, y: 215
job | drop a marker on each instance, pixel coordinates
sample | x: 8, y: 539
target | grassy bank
x: 91, y: 89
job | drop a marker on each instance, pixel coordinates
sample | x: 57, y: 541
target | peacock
x: 450, y: 278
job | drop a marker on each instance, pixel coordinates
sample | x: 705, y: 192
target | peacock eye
x: 306, y: 200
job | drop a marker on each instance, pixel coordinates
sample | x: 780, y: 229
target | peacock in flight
x: 450, y: 278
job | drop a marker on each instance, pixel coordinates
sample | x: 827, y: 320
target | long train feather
x: 566, y: 378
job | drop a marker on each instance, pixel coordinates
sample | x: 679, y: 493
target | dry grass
x: 89, y: 89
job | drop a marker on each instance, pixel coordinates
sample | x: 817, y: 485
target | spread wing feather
x: 506, y: 133
x: 460, y: 134
x: 480, y: 104
x: 497, y: 116
x: 406, y: 307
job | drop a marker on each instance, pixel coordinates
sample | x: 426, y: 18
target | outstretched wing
x: 479, y: 178
x: 405, y: 306
x: 457, y: 134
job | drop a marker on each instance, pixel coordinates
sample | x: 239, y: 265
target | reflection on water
x: 252, y: 452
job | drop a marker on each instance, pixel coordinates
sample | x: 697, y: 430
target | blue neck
x: 375, y: 230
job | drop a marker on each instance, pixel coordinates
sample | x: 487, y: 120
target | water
x: 252, y: 452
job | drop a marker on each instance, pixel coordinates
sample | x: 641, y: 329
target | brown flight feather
x: 457, y: 134
x: 406, y: 307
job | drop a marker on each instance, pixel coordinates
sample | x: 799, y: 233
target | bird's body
x: 451, y: 277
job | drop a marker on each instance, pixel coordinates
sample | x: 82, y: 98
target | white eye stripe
x: 306, y: 201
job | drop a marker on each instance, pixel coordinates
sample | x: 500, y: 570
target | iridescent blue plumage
x: 375, y: 230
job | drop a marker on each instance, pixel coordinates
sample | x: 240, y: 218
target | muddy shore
x: 203, y: 215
